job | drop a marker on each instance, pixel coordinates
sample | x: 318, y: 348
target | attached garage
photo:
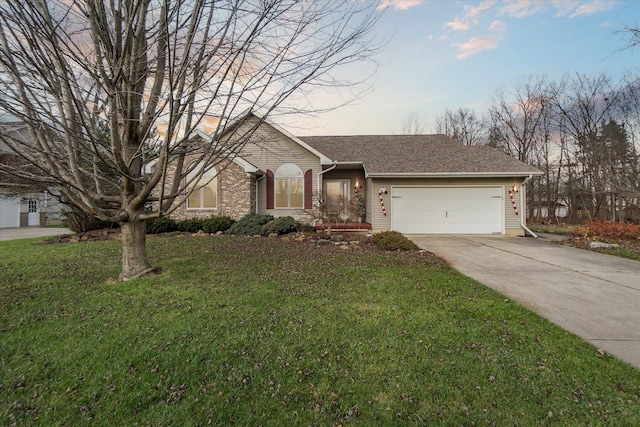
x: 431, y: 184
x: 447, y: 210
x: 9, y: 212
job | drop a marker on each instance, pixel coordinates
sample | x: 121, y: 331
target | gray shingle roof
x: 418, y: 155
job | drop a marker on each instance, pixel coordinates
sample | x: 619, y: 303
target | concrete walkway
x: 593, y: 295
x: 29, y: 232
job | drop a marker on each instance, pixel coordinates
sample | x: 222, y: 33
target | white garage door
x: 9, y: 212
x: 447, y: 210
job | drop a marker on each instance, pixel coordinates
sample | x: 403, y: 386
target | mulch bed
x: 93, y: 235
x: 343, y: 241
x: 583, y: 243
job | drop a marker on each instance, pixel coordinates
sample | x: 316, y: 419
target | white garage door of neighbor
x: 9, y: 212
x: 447, y: 210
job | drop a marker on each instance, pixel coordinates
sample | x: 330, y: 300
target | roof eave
x: 451, y: 174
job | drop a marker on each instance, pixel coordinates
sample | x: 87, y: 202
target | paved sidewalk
x: 29, y: 232
x: 596, y: 296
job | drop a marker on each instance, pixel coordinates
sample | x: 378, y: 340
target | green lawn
x: 262, y: 331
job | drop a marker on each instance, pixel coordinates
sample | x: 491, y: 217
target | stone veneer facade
x: 236, y: 192
x: 236, y: 196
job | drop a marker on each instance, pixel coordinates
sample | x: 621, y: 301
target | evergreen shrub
x: 250, y: 224
x: 281, y: 225
x: 217, y: 223
x: 393, y: 241
x: 161, y: 225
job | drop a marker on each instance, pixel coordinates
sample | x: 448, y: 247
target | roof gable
x: 233, y: 125
x: 419, y: 155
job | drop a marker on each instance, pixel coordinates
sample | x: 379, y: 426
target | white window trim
x: 287, y: 171
x: 212, y: 175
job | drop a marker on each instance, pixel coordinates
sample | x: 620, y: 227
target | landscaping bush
x: 79, y: 221
x: 161, y: 225
x: 217, y: 223
x: 393, y: 241
x: 282, y: 225
x: 250, y: 224
x: 609, y: 230
x: 190, y: 225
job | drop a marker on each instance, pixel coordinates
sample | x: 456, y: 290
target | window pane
x: 209, y: 195
x: 296, y: 193
x: 194, y: 200
x: 282, y: 196
x: 288, y: 170
x: 333, y: 189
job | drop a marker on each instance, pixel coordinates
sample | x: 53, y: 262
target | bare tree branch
x: 108, y: 88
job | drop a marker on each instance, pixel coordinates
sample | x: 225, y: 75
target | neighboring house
x: 23, y: 204
x: 407, y: 183
x: 542, y: 211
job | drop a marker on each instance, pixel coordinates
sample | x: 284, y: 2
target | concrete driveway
x: 593, y: 295
x: 28, y: 232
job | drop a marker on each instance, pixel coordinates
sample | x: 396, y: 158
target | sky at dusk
x: 450, y: 54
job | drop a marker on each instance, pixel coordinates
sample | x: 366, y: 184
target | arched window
x: 289, y: 186
x: 205, y: 190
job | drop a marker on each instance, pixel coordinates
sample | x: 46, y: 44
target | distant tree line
x: 581, y: 131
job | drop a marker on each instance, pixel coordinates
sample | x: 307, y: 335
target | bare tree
x: 464, y: 126
x: 147, y: 73
x: 631, y: 112
x: 521, y: 124
x: 518, y: 116
x: 412, y: 124
x: 632, y: 35
x: 587, y: 102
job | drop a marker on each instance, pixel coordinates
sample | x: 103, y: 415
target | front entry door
x: 338, y: 198
x: 33, y: 218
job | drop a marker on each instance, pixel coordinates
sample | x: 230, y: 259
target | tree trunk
x: 134, y: 250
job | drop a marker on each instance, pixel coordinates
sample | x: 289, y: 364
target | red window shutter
x: 308, y: 183
x: 270, y: 188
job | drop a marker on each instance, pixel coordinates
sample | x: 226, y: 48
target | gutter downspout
x: 335, y: 163
x: 524, y: 212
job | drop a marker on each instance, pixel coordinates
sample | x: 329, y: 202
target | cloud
x: 399, y: 4
x: 492, y: 9
x: 571, y: 8
x: 478, y: 44
x: 591, y: 7
x: 498, y: 26
x: 523, y: 8
x: 475, y: 45
x: 457, y: 25
x: 470, y: 16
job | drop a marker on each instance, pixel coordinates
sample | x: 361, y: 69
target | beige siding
x: 370, y: 200
x: 381, y: 222
x: 269, y: 149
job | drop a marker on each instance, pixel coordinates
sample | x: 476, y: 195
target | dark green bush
x: 250, y: 224
x: 393, y: 241
x: 190, y: 225
x: 161, y: 225
x: 217, y: 223
x: 281, y: 225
